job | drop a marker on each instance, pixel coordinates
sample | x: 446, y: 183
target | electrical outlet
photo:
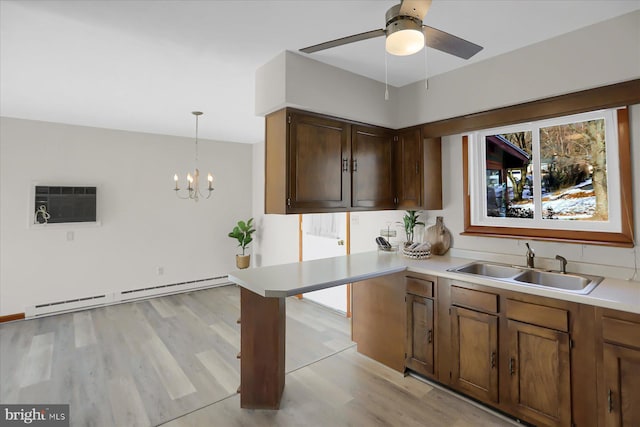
x: 160, y: 271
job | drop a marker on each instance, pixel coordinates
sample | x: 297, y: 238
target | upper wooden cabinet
x: 408, y: 168
x: 372, y: 183
x: 307, y: 163
x: 315, y: 163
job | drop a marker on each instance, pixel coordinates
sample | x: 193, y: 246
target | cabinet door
x: 539, y: 370
x: 372, y: 168
x: 318, y: 164
x: 420, y: 334
x: 622, y: 386
x: 474, y: 338
x: 408, y: 167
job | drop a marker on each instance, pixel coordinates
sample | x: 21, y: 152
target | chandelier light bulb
x: 193, y: 180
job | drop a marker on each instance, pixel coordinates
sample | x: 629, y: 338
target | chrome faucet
x: 530, y: 256
x: 563, y: 264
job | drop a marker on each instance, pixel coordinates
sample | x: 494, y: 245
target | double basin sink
x: 567, y: 282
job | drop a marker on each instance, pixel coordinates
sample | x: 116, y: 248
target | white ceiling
x: 145, y: 65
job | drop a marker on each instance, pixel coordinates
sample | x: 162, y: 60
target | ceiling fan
x: 406, y: 34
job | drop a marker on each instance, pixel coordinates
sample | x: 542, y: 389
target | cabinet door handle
x: 417, y: 168
x: 429, y: 336
x: 610, y: 401
x: 345, y: 165
x: 354, y: 168
x: 493, y: 359
x: 512, y: 369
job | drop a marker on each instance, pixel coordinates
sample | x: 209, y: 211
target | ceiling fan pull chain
x: 386, y: 79
x: 426, y: 69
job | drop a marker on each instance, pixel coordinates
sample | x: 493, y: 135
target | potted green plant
x: 410, y: 221
x: 242, y: 233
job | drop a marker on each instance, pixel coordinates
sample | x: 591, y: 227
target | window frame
x: 622, y: 237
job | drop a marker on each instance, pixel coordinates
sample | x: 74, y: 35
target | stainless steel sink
x: 489, y: 270
x: 569, y: 282
x: 573, y: 283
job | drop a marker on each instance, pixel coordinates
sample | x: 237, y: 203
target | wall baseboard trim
x: 12, y: 317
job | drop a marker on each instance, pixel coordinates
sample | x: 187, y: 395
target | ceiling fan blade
x: 416, y: 8
x: 449, y: 43
x: 343, y: 40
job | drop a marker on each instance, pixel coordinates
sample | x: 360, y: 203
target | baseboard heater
x: 58, y: 307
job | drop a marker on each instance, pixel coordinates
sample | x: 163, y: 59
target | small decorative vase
x: 243, y: 261
x: 439, y: 237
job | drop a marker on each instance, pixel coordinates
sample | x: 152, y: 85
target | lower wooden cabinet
x: 474, y: 339
x: 539, y: 370
x: 544, y: 361
x: 420, y: 335
x: 619, y: 367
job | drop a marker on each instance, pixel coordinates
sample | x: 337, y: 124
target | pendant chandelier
x: 193, y: 178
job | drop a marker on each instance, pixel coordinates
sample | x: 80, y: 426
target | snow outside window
x: 560, y: 173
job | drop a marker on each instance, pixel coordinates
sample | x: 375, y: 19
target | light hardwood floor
x: 173, y: 360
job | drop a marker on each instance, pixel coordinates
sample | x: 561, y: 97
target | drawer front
x: 471, y: 298
x: 621, y: 331
x: 547, y: 317
x: 420, y: 287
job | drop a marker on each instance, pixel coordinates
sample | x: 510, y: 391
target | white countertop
x: 300, y: 277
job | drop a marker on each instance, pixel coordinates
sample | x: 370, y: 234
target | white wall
x: 601, y: 54
x: 557, y: 66
x: 315, y: 86
x: 144, y: 226
x: 276, y: 238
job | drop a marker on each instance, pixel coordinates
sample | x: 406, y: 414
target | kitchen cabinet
x: 379, y: 319
x: 418, y: 170
x: 372, y: 180
x: 307, y: 163
x: 421, y: 333
x: 317, y: 163
x: 474, y: 343
x: 619, y: 368
x: 539, y: 363
x: 409, y: 169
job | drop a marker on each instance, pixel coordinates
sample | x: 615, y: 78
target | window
x: 558, y: 178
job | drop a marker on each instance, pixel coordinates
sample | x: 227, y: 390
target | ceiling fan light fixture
x: 404, y: 37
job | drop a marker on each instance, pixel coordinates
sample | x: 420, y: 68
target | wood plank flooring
x: 173, y: 359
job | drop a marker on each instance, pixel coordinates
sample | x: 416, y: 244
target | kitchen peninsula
x: 264, y: 291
